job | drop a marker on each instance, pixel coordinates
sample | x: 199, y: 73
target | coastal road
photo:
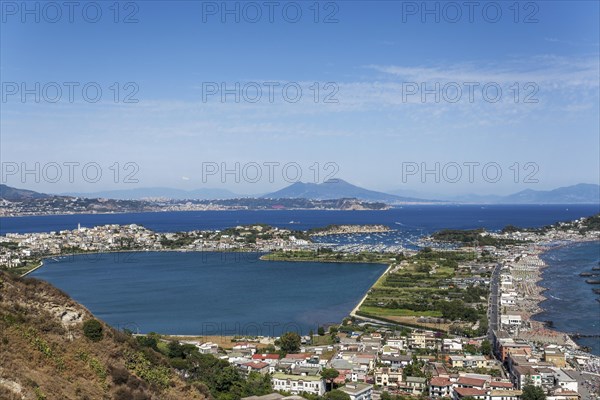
x: 494, y: 306
x: 587, y: 384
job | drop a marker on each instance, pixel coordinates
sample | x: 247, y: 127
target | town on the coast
x: 64, y: 205
x: 452, y: 319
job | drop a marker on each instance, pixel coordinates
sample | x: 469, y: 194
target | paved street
x: 493, y: 312
x: 588, y: 384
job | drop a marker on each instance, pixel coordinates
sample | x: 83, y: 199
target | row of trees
x: 214, y: 377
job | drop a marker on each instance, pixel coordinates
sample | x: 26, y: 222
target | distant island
x: 19, y: 202
x: 330, y: 195
x: 581, y: 193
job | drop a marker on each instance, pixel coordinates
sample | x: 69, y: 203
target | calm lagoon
x: 208, y: 293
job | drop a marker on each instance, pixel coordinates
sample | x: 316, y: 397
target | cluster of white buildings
x: 418, y: 363
x: 16, y: 249
x: 370, y: 363
x: 530, y: 352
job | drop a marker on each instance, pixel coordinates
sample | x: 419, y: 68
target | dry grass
x: 47, y: 357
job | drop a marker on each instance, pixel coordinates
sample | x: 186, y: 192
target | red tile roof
x: 256, y: 365
x: 463, y: 392
x: 463, y: 380
x: 437, y: 381
x: 501, y: 384
x: 265, y: 357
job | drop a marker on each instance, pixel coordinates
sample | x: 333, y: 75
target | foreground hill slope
x: 45, y: 354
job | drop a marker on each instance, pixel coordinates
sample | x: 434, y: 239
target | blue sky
x: 369, y: 61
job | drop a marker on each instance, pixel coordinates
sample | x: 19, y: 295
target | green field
x: 325, y: 255
x: 426, y: 285
x: 387, y: 312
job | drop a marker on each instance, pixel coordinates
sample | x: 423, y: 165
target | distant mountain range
x: 583, y: 193
x: 334, y: 189
x: 337, y: 189
x: 161, y: 192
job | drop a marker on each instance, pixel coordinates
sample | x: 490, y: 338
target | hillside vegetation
x: 52, y: 348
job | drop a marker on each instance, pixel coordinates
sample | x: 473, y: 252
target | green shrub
x: 92, y: 329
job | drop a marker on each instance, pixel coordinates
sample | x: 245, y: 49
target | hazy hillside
x: 581, y: 193
x: 44, y: 353
x: 160, y: 192
x: 14, y: 194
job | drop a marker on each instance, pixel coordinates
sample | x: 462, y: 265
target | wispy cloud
x: 559, y: 72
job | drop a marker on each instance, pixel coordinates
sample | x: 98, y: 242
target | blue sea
x: 211, y: 293
x: 571, y: 304
x: 412, y: 219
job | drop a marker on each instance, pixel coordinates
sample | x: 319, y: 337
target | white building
x: 504, y: 394
x: 510, y: 320
x: 507, y: 299
x: 297, y: 384
x: 564, y: 381
x: 397, y: 343
x: 208, y: 348
x: 452, y: 345
x: 358, y: 391
x: 440, y: 387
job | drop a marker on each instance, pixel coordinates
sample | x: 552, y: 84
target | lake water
x: 211, y: 293
x: 182, y: 293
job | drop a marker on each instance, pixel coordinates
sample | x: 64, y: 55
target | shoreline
x: 541, y: 290
x: 91, y: 253
x: 266, y: 252
x: 263, y: 258
x: 41, y: 264
x: 362, y: 300
x: 389, y: 207
x: 218, y: 210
